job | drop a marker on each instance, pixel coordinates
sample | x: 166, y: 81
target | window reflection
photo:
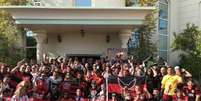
x: 163, y: 12
x: 163, y: 26
x: 83, y: 3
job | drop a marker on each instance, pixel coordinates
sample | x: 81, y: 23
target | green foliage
x: 13, y: 2
x: 9, y: 36
x: 189, y: 41
x: 141, y: 2
x: 146, y: 48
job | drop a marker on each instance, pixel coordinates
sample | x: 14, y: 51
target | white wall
x: 74, y: 43
x: 188, y: 12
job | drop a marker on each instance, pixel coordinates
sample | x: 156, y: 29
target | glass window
x: 163, y: 26
x: 83, y: 3
x: 163, y: 54
x: 163, y: 12
x: 163, y: 41
x: 164, y: 1
x: 134, y: 40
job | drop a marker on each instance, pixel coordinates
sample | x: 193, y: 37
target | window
x: 163, y: 29
x: 30, y: 46
x: 134, y: 40
x: 163, y: 11
x: 163, y: 54
x: 163, y: 25
x: 163, y: 42
x: 164, y: 1
x: 83, y: 3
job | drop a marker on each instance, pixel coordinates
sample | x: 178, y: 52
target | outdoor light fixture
x: 82, y: 32
x: 59, y: 38
x: 107, y: 38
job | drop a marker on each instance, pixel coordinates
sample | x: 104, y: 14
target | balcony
x: 45, y: 14
x: 92, y: 3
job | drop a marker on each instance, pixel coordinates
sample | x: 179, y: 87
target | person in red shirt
x: 40, y: 89
x: 141, y: 94
x: 96, y: 76
x: 179, y: 96
x: 192, y: 91
x: 19, y: 72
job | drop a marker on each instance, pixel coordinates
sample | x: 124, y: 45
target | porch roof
x: 32, y: 15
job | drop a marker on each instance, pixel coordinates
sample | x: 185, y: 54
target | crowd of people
x: 74, y: 79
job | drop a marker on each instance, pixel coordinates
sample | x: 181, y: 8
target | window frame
x: 162, y: 34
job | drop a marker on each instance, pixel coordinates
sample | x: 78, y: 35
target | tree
x: 9, y: 35
x: 146, y: 47
x: 189, y: 42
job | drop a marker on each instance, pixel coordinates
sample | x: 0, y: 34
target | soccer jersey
x: 169, y: 83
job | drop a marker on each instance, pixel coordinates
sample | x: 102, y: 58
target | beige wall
x: 181, y: 13
x: 94, y: 42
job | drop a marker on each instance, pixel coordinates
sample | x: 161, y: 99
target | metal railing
x: 129, y: 3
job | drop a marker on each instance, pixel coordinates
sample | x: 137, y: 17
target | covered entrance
x: 79, y: 31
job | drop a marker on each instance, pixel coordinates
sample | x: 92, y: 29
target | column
x: 124, y: 36
x: 41, y: 37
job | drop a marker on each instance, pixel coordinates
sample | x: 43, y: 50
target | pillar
x: 41, y: 37
x: 124, y: 36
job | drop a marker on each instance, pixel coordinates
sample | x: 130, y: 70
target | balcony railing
x: 128, y: 3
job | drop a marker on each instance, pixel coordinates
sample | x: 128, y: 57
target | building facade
x: 91, y: 27
x: 79, y: 27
